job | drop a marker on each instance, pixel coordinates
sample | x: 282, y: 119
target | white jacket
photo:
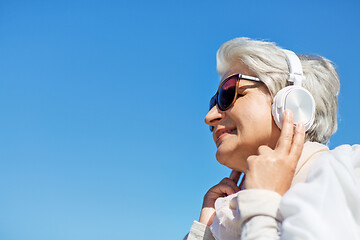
x: 322, y: 203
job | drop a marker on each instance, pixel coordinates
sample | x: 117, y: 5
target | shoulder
x: 338, y: 167
x: 331, y: 192
x: 310, y: 153
x: 347, y: 152
x: 343, y: 161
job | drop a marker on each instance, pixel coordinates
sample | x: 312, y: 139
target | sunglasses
x: 227, y: 92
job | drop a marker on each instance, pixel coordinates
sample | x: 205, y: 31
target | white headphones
x: 294, y: 97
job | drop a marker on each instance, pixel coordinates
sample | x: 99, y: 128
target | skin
x: 252, y: 144
x: 250, y: 118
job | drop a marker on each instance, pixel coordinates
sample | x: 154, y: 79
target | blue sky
x: 102, y: 106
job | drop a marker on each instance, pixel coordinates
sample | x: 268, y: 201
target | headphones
x: 294, y: 97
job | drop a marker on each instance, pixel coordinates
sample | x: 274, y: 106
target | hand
x: 273, y: 169
x: 226, y: 187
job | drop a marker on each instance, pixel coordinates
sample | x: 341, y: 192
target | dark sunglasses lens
x: 211, y: 105
x: 211, y: 128
x: 227, y: 93
x: 212, y: 102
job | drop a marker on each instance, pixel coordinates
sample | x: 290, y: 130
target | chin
x: 221, y: 158
x: 233, y: 157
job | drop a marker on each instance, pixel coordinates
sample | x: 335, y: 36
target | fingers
x: 235, y: 176
x: 263, y: 149
x: 226, y: 190
x: 287, y: 131
x: 298, y: 141
x: 226, y: 187
x: 231, y: 183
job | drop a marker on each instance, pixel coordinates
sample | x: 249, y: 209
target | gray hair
x: 268, y: 63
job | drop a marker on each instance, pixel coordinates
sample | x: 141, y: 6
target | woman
x: 295, y: 188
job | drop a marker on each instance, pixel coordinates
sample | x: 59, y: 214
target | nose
x: 214, y: 116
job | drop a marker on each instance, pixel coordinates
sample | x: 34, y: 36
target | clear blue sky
x: 102, y: 106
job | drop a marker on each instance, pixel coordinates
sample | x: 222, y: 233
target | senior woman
x: 294, y: 186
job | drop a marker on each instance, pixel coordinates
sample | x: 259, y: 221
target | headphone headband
x: 296, y: 74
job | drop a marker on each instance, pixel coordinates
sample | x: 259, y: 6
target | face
x: 248, y: 124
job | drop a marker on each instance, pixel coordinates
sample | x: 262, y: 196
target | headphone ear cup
x: 299, y: 101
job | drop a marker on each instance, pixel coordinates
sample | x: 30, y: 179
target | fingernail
x: 300, y: 126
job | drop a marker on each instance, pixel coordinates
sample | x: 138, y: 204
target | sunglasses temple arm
x: 251, y: 78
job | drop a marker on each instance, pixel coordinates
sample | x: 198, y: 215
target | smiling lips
x: 220, y: 133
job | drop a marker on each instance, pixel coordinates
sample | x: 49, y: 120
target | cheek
x: 257, y: 124
x: 264, y: 107
x: 265, y: 130
x: 259, y: 114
